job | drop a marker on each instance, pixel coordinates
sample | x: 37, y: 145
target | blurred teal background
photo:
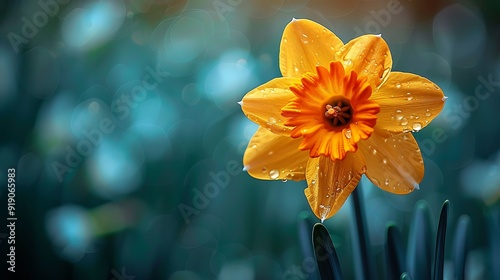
x: 122, y: 122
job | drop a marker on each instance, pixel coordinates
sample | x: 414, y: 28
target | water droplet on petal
x: 398, y: 85
x: 324, y: 211
x: 274, y: 174
x: 427, y: 113
x: 404, y: 121
x: 254, y: 146
x: 348, y: 62
x: 444, y: 98
x: 374, y: 152
x: 417, y: 126
x: 399, y: 115
x: 284, y: 180
x: 272, y: 120
x: 305, y: 38
x: 386, y: 182
x: 348, y: 133
x: 384, y: 161
x: 264, y: 170
x: 313, y: 182
x: 363, y: 169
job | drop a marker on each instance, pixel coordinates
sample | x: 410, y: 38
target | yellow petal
x: 263, y: 104
x: 271, y: 157
x: 394, y: 164
x: 369, y: 56
x: 407, y: 102
x: 304, y: 45
x: 330, y: 182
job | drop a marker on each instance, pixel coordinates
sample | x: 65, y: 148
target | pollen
x: 339, y: 114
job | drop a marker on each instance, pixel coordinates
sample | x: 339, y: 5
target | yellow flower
x: 338, y: 112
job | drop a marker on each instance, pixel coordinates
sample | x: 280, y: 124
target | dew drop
x: 417, y: 126
x: 264, y: 170
x: 374, y: 152
x: 324, y: 211
x: 386, y: 182
x: 305, y: 38
x: 427, y: 113
x: 384, y: 161
x: 313, y: 182
x: 363, y: 169
x: 284, y: 180
x: 338, y: 190
x: 348, y: 133
x: 272, y: 120
x: 404, y: 121
x: 348, y: 62
x: 274, y: 174
x: 444, y: 98
x: 399, y: 115
x: 254, y: 146
x: 398, y: 85
x: 270, y: 153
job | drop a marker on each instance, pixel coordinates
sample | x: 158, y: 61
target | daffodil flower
x: 338, y: 112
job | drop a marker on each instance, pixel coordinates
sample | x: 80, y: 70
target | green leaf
x: 361, y: 249
x: 306, y: 222
x: 440, y: 242
x: 394, y: 253
x: 461, y: 246
x: 419, y: 255
x: 326, y: 256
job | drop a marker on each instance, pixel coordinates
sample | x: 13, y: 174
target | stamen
x: 339, y: 113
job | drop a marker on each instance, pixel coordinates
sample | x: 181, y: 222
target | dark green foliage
x: 326, y: 256
x: 420, y: 261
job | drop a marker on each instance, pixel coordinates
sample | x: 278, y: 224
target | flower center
x: 332, y: 111
x: 340, y: 113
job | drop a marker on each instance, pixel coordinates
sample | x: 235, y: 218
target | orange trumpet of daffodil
x: 338, y: 112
